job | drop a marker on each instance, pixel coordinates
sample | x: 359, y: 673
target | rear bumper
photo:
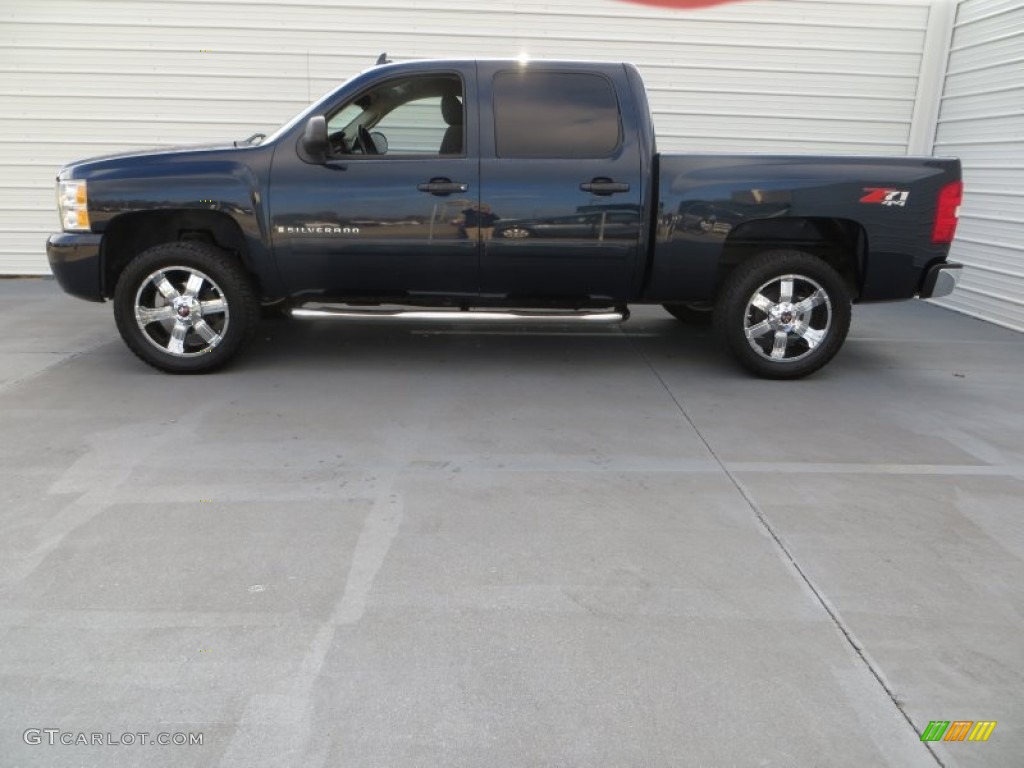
x: 75, y: 261
x: 940, y: 280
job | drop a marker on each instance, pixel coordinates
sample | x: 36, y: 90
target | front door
x: 561, y: 186
x: 383, y: 216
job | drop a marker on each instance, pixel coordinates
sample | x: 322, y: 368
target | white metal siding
x: 84, y: 78
x: 982, y: 121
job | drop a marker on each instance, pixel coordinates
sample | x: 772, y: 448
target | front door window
x: 418, y: 116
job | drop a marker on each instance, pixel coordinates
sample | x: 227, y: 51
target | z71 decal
x: 890, y: 197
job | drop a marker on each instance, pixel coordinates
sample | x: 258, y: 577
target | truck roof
x: 524, y: 62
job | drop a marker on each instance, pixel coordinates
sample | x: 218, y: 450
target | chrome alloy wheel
x: 787, y: 318
x: 181, y: 311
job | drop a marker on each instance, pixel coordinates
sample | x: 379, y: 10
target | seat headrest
x: 451, y: 109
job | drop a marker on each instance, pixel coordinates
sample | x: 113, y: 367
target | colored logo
x: 889, y: 197
x: 958, y: 730
x: 682, y: 4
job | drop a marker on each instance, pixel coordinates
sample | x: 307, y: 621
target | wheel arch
x: 842, y: 243
x: 129, y: 234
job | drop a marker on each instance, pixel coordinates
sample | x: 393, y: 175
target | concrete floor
x: 426, y: 546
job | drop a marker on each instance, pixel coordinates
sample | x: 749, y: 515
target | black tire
x: 193, y: 327
x: 280, y: 310
x: 694, y: 314
x: 809, y: 328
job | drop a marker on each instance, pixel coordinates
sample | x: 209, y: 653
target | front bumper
x: 940, y: 280
x: 75, y: 261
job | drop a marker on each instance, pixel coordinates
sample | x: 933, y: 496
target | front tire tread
x: 224, y: 269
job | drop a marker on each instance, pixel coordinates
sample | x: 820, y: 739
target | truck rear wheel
x: 185, y: 307
x: 783, y: 314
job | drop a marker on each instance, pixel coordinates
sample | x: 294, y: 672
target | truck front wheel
x: 783, y: 314
x: 185, y: 307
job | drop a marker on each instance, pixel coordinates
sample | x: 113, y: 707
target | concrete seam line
x: 64, y: 359
x: 833, y: 614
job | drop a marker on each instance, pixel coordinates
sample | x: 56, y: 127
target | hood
x: 137, y: 157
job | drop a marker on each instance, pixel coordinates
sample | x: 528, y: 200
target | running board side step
x: 466, y: 316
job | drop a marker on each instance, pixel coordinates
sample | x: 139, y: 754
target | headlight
x: 73, y: 206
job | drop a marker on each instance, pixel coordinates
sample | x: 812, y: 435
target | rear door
x: 561, y: 185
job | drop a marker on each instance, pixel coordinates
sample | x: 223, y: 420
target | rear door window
x: 539, y: 114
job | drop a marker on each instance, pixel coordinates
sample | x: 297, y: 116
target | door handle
x: 442, y: 187
x: 604, y: 186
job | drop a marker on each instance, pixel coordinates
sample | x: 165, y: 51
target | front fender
x: 229, y: 182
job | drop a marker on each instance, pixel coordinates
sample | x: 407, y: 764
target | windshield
x: 315, y: 108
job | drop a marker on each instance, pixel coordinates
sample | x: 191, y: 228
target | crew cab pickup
x: 473, y: 190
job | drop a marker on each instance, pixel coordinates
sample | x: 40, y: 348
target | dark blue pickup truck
x: 474, y: 190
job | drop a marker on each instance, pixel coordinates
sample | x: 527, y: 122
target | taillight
x: 947, y: 215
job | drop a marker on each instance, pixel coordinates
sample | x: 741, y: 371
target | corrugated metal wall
x: 982, y: 121
x: 84, y: 78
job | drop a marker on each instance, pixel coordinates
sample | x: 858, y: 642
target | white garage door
x: 982, y: 121
x: 85, y: 77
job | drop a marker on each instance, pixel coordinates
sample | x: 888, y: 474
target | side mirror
x: 380, y: 141
x: 314, y: 140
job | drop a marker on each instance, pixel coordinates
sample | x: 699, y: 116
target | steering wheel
x: 337, y: 143
x: 369, y: 146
